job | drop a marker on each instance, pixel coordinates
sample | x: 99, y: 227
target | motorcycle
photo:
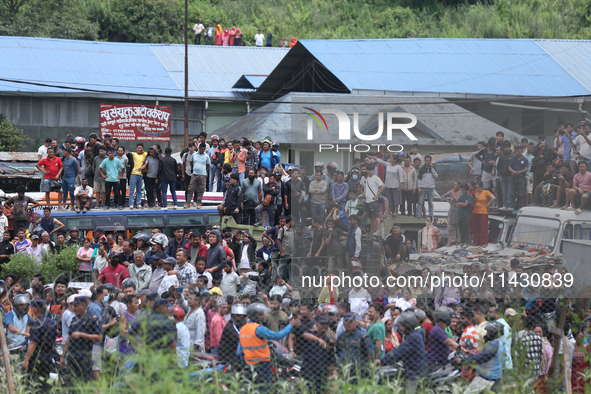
x: 438, y: 382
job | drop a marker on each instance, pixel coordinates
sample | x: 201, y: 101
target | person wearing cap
x: 170, y: 278
x: 85, y: 330
x: 353, y: 347
x: 114, y: 273
x: 67, y: 317
x: 158, y: 272
x: 39, y: 357
x: 319, y: 356
x: 158, y: 332
x: 35, y: 250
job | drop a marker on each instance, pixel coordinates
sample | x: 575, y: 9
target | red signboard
x: 135, y: 122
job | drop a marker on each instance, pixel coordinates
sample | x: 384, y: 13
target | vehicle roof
x: 108, y: 212
x: 552, y: 213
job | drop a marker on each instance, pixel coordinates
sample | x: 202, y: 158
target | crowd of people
x: 223, y: 293
x: 216, y: 35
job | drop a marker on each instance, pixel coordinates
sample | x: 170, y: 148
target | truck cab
x: 538, y: 228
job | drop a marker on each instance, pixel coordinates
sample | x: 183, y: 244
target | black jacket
x: 167, y: 169
x: 173, y: 246
x: 272, y: 190
x: 232, y: 198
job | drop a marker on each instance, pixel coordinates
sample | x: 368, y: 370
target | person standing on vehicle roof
x: 254, y: 346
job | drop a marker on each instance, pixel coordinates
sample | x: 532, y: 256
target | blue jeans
x: 135, y: 186
x: 505, y: 185
x: 319, y: 209
x: 241, y: 176
x: 164, y: 185
x: 68, y: 185
x: 213, y: 172
x: 517, y: 189
x: 425, y: 192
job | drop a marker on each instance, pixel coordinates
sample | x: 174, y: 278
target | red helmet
x: 177, y: 312
x: 327, y: 310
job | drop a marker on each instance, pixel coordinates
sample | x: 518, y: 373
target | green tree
x: 12, y: 139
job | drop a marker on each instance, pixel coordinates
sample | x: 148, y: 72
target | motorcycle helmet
x: 332, y: 166
x: 177, y: 313
x: 254, y: 311
x: 236, y: 311
x: 80, y: 140
x: 275, y: 145
x: 20, y: 305
x: 494, y: 330
x: 408, y: 320
x: 319, y: 164
x: 74, y: 228
x: 38, y: 231
x: 444, y: 314
x: 328, y: 310
x: 421, y: 315
x: 159, y: 239
x: 141, y: 236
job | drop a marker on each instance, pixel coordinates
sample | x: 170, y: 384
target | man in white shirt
x: 230, y: 281
x: 195, y: 321
x: 583, y: 144
x: 42, y: 152
x: 67, y: 317
x: 373, y: 189
x: 359, y: 299
x: 83, y: 196
x: 168, y: 280
x: 259, y: 41
x: 198, y: 29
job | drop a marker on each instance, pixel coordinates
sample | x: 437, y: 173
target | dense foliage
x: 12, y: 139
x: 53, y: 266
x: 161, y: 21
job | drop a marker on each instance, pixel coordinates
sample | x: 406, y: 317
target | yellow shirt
x: 138, y: 161
x: 216, y: 290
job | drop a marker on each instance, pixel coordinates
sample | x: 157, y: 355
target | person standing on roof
x: 52, y: 168
x: 259, y: 39
x: 201, y: 164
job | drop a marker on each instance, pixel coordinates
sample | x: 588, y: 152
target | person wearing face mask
x: 114, y: 273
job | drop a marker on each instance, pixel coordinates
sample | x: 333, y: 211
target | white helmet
x: 160, y: 239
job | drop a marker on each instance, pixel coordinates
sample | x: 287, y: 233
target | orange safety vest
x: 255, y: 349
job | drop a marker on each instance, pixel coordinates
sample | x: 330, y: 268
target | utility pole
x: 186, y: 73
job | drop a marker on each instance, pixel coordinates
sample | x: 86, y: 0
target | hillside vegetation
x: 161, y: 21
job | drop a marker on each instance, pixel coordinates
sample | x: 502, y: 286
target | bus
x: 127, y: 222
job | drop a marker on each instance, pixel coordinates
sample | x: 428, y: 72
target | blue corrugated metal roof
x: 143, y: 69
x: 213, y: 70
x: 251, y: 82
x: 469, y: 66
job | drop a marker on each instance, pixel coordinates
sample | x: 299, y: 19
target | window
x: 213, y: 219
x: 530, y: 232
x: 495, y: 228
x: 110, y: 221
x: 307, y: 160
x: 582, y: 231
x: 81, y: 223
x: 186, y: 220
x: 145, y: 221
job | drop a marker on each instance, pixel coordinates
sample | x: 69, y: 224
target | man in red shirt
x: 114, y: 273
x: 52, y: 167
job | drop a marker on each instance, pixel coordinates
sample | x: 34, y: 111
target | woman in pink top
x: 84, y: 255
x: 226, y: 38
x: 232, y: 36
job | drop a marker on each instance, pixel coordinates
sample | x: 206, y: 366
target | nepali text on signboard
x: 135, y: 122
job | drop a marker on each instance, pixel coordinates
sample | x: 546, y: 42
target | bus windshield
x: 530, y: 232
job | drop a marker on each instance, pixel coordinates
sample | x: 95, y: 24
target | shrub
x: 20, y: 264
x: 52, y: 266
